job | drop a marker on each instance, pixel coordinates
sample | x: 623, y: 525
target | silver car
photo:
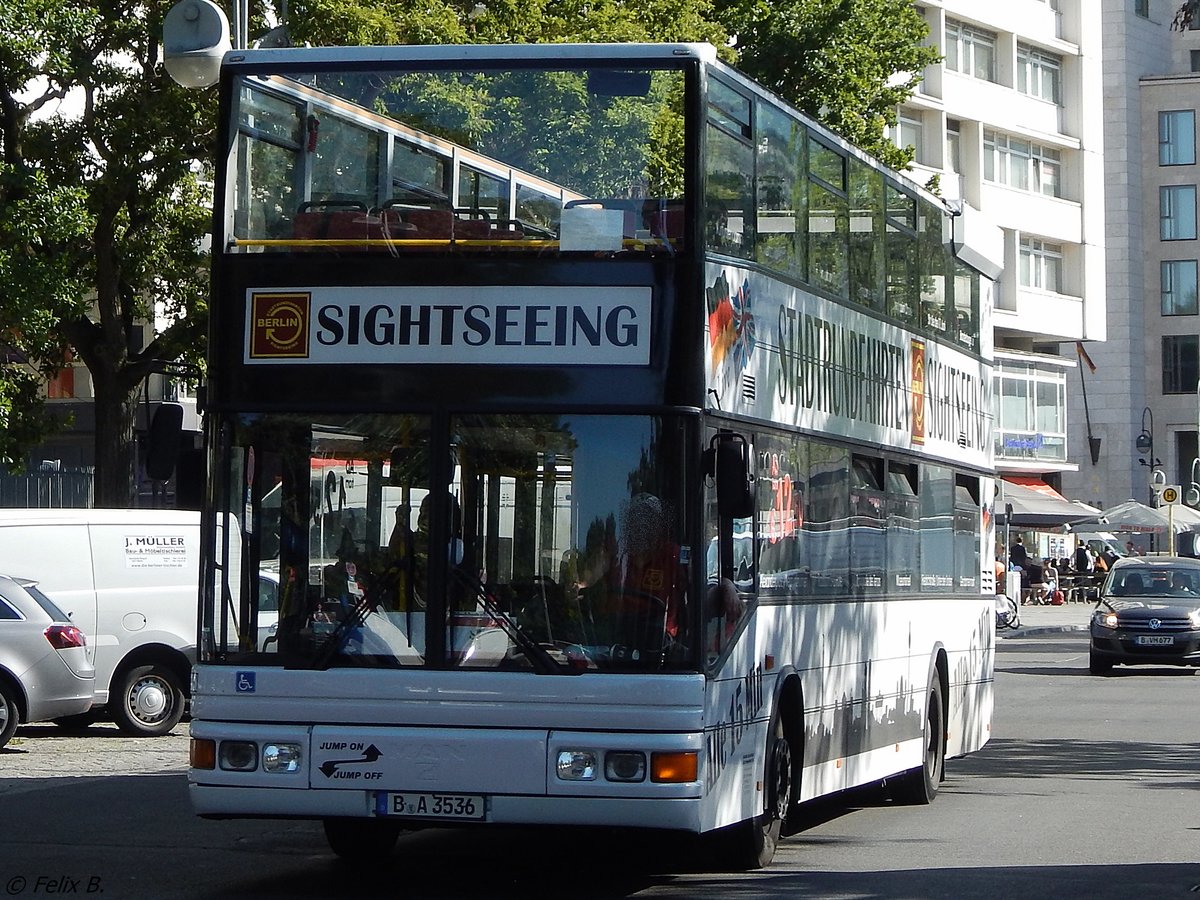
x: 44, y: 669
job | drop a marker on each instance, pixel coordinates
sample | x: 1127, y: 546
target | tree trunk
x: 116, y: 447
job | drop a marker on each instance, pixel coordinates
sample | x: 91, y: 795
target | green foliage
x: 106, y: 207
x: 840, y: 61
x: 349, y: 22
x: 24, y: 419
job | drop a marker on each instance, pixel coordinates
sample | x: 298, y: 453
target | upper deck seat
x: 429, y: 223
x: 323, y: 220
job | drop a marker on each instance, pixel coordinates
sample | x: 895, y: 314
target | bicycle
x: 1008, y: 613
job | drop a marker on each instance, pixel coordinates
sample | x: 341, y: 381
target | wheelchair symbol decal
x: 244, y: 682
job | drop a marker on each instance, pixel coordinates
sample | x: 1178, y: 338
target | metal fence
x: 61, y: 489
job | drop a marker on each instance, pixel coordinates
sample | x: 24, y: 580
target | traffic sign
x: 1170, y: 494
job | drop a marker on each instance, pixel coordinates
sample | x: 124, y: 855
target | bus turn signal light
x: 202, y: 754
x: 674, y: 768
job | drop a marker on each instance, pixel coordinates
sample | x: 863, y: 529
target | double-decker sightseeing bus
x: 591, y: 440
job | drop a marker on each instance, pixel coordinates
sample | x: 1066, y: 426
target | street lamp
x: 1145, y: 445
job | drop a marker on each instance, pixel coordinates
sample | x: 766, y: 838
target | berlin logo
x: 279, y: 325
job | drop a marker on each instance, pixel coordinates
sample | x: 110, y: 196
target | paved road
x: 1088, y: 788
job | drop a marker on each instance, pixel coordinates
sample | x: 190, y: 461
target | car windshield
x: 1147, y: 585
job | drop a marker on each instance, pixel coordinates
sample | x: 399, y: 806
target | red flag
x: 1083, y: 355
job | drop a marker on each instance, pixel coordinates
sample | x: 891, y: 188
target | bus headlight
x: 238, y: 756
x: 625, y: 765
x: 283, y: 758
x: 576, y: 765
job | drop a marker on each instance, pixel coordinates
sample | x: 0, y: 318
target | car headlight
x: 1194, y: 617
x: 1105, y: 619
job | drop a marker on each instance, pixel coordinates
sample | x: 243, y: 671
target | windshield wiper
x: 355, y: 617
x: 543, y: 663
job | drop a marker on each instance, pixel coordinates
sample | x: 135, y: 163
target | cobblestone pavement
x: 47, y: 751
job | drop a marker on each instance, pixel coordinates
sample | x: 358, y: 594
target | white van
x: 130, y: 579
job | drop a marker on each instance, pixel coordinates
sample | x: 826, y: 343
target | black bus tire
x: 751, y: 844
x: 361, y: 840
x: 919, y: 786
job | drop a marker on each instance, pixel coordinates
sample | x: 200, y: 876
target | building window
x: 970, y: 51
x: 1180, y: 363
x: 953, y: 147
x: 1030, y: 406
x: 1177, y: 212
x: 1195, y: 54
x: 1039, y: 74
x: 1178, y: 287
x: 1021, y: 165
x: 62, y: 385
x: 1041, y: 264
x: 907, y: 132
x: 1177, y: 137
x: 1141, y: 8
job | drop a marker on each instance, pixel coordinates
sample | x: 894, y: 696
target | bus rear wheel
x: 751, y: 844
x: 361, y: 840
x: 919, y: 786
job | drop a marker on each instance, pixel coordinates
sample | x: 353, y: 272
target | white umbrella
x: 1134, y: 516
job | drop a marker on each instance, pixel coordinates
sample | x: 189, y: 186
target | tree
x: 105, y: 211
x: 337, y: 22
x: 847, y: 63
x: 1186, y: 14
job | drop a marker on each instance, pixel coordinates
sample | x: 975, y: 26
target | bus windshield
x: 495, y: 159
x: 558, y: 544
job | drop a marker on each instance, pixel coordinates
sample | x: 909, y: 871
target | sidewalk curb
x: 1043, y: 629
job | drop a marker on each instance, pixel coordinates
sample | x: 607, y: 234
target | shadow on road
x: 1152, y: 765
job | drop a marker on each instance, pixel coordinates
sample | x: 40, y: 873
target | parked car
x: 131, y: 578
x: 45, y: 672
x: 1148, y: 614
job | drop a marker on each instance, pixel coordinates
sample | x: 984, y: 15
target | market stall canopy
x: 1037, y: 505
x: 1137, y: 517
x: 1183, y: 517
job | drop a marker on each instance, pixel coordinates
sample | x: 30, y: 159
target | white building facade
x: 1010, y: 123
x: 1147, y: 376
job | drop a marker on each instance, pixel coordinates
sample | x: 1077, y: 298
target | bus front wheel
x: 361, y: 840
x: 751, y: 844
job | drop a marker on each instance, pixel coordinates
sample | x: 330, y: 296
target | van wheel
x: 10, y: 716
x: 361, y: 840
x: 146, y: 701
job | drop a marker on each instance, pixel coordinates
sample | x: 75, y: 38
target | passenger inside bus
x: 409, y: 551
x: 637, y: 605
